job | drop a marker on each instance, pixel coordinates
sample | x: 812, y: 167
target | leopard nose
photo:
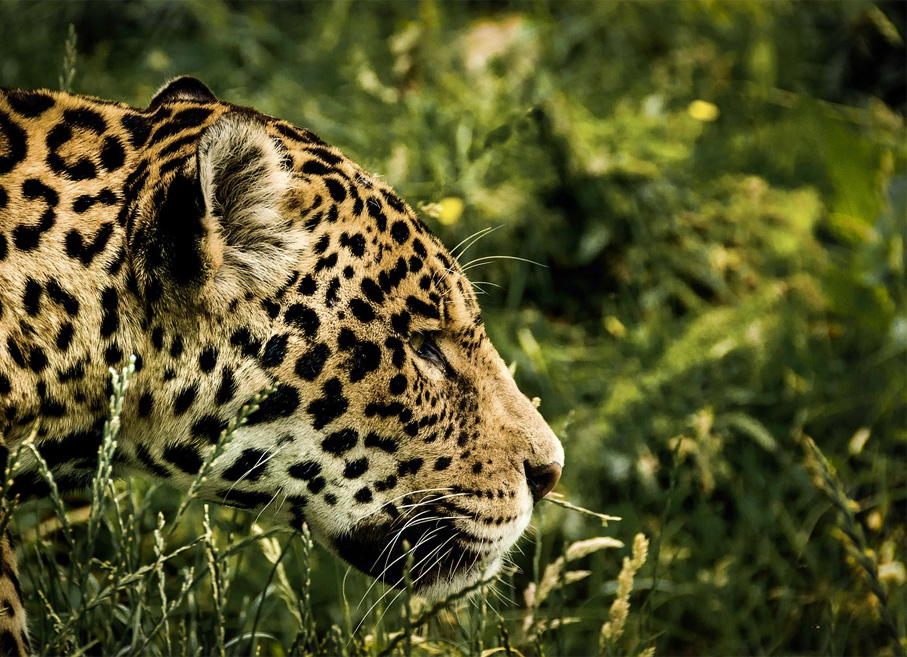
x: 541, y: 478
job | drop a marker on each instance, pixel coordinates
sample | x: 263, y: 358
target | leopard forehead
x: 229, y: 251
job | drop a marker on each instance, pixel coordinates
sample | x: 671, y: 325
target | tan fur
x: 234, y: 251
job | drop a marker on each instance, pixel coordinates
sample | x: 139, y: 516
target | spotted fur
x: 228, y: 250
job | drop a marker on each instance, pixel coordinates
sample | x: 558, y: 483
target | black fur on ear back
x: 218, y: 226
x: 182, y: 88
x: 171, y: 250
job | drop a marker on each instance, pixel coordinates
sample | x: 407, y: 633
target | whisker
x: 431, y: 500
x: 274, y: 497
x: 472, y: 239
x: 487, y: 259
x: 261, y: 461
x: 400, y: 497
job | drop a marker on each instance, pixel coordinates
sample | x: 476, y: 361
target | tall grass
x: 112, y: 573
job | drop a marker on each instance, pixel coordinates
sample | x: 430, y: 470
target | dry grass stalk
x: 620, y: 608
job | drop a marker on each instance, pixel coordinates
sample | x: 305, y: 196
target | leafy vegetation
x: 717, y: 195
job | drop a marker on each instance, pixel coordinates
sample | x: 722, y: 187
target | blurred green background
x: 716, y: 195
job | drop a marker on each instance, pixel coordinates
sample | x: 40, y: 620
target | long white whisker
x: 400, y: 497
x: 486, y: 259
x: 431, y: 500
x: 274, y: 497
x: 397, y: 583
x: 390, y: 545
x: 472, y: 239
x: 424, y: 573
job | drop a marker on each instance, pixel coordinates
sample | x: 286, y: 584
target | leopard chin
x: 439, y: 558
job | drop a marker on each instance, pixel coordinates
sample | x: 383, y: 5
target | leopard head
x: 395, y: 430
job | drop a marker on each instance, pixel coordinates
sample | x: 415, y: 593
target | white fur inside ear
x: 256, y: 245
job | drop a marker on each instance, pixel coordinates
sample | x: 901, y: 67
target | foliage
x: 717, y: 194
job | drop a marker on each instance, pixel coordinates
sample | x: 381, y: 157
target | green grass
x: 114, y: 576
x: 717, y: 192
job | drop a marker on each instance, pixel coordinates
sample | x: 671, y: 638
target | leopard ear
x: 220, y: 226
x: 182, y: 88
x: 244, y: 183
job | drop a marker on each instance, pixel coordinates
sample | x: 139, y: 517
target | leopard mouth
x: 440, y: 557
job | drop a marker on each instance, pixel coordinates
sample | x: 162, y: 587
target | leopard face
x: 251, y: 254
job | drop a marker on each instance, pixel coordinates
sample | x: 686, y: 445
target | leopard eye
x: 424, y: 345
x: 416, y: 340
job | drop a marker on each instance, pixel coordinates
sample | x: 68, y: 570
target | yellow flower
x: 451, y: 210
x: 703, y: 111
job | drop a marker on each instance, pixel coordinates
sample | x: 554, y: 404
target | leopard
x: 224, y: 252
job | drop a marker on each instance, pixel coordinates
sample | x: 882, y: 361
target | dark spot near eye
x: 362, y: 310
x: 400, y: 322
x: 419, y: 307
x: 372, y: 290
x: 398, y: 354
x: 363, y: 495
x: 442, y: 463
x: 397, y: 385
x: 365, y: 357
